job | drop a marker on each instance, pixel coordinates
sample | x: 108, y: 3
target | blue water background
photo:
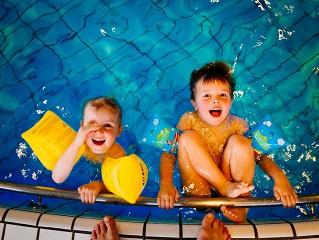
x: 57, y: 54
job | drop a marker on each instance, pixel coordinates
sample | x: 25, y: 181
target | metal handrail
x: 148, y: 201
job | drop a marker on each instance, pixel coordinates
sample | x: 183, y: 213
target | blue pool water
x: 56, y: 54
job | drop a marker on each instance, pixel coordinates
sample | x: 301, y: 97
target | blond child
x: 213, y: 154
x: 100, y: 127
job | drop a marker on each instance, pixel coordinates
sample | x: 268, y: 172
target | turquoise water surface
x: 57, y: 54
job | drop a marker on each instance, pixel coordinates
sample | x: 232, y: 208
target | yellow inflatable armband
x: 126, y: 177
x: 49, y: 138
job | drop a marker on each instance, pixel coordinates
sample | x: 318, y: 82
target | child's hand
x: 283, y: 191
x: 89, y: 192
x: 83, y: 131
x: 167, y: 196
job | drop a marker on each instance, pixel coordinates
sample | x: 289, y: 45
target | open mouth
x: 98, y: 142
x: 215, y: 112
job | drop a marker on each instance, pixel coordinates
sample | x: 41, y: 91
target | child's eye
x: 224, y: 95
x: 107, y: 125
x: 206, y: 96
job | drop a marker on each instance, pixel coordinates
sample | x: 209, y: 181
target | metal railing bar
x: 148, y: 201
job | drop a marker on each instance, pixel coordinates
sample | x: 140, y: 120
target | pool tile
x: 190, y: 230
x: 82, y: 236
x: 2, y: 211
x: 85, y: 224
x: 241, y: 230
x: 14, y: 231
x: 162, y: 230
x: 1, y: 228
x: 82, y: 225
x: 307, y: 228
x: 22, y: 217
x: 56, y: 221
x: 132, y: 238
x: 274, y: 230
x: 132, y: 229
x: 49, y: 234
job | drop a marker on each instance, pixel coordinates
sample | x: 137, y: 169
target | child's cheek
x: 88, y: 137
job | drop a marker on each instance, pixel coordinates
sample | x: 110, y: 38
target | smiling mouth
x: 98, y: 142
x: 215, y: 112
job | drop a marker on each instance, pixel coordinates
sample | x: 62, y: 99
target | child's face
x: 101, y: 140
x: 212, y: 101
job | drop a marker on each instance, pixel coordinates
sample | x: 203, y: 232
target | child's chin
x: 98, y: 150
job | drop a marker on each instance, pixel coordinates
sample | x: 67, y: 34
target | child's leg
x: 238, y: 164
x: 199, y: 171
x: 238, y: 161
x: 193, y: 183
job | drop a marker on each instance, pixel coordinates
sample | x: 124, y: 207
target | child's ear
x: 81, y: 124
x: 194, y: 104
x: 120, y: 130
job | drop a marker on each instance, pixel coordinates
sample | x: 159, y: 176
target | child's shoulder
x: 117, y: 151
x: 188, y: 115
x: 238, y: 122
x: 186, y: 120
x: 235, y: 117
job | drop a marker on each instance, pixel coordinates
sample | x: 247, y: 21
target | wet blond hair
x: 99, y: 102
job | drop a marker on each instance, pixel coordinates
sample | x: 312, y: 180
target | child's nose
x: 99, y: 130
x: 216, y: 100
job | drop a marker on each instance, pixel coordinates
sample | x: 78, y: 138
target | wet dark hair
x: 99, y: 102
x: 215, y: 71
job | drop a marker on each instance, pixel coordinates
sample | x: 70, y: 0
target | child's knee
x: 240, y: 142
x: 242, y: 150
x: 187, y: 137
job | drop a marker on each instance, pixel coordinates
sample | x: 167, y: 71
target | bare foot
x: 237, y: 215
x: 213, y: 229
x: 235, y: 189
x: 105, y: 229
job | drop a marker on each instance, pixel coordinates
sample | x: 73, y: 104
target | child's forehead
x: 212, y: 83
x: 90, y: 110
x: 90, y: 107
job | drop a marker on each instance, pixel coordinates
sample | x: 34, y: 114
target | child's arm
x: 90, y: 191
x: 65, y: 163
x: 282, y: 188
x: 167, y: 194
